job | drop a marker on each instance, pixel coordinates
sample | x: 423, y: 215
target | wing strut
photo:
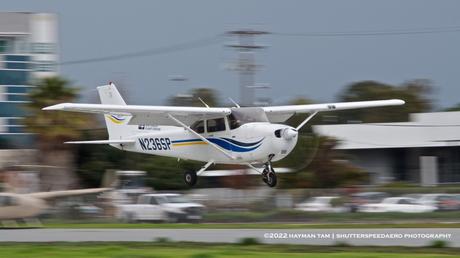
x: 306, y: 120
x: 200, y: 136
x: 253, y: 167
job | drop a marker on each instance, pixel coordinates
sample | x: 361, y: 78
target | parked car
x: 449, y: 202
x: 415, y: 196
x: 321, y: 203
x: 397, y: 204
x: 161, y: 207
x: 363, y: 198
x: 434, y: 199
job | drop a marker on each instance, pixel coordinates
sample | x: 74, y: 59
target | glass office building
x: 28, y: 51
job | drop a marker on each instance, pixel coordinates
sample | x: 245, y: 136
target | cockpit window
x: 232, y: 122
x: 216, y: 125
x: 198, y: 126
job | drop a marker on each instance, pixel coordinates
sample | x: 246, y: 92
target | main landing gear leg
x: 269, y: 175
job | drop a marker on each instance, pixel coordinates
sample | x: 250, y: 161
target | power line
x: 218, y: 38
x: 150, y: 52
x: 246, y: 65
x: 371, y: 33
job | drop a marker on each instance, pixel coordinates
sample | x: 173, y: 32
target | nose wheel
x: 269, y: 175
x: 190, y: 178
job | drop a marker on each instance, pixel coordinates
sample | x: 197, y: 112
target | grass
x: 199, y: 250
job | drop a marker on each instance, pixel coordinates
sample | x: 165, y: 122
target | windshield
x: 248, y: 115
x: 177, y: 199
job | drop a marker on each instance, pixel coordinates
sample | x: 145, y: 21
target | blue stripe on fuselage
x: 243, y: 144
x: 227, y: 144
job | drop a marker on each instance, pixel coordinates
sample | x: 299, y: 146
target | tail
x: 117, y: 125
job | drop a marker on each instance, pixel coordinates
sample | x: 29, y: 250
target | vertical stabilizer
x: 116, y: 124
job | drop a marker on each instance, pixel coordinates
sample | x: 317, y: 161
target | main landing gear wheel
x: 190, y: 178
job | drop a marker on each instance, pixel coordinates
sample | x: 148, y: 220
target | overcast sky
x: 313, y: 67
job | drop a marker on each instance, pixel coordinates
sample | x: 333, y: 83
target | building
x: 28, y: 51
x: 425, y: 150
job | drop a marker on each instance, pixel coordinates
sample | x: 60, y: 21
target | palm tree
x: 52, y: 129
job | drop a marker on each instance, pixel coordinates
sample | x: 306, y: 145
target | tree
x: 330, y: 168
x: 454, y: 108
x: 54, y: 128
x: 415, y: 93
x: 299, y: 161
x: 319, y: 165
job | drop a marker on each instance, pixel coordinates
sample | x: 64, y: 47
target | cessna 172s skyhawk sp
x: 242, y: 135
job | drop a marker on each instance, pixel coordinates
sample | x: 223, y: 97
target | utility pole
x: 246, y: 65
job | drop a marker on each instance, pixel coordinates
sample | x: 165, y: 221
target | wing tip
x: 55, y: 107
x: 110, y: 84
x: 399, y: 101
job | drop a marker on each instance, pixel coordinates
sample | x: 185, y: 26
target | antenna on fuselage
x: 234, y: 102
x: 202, y: 101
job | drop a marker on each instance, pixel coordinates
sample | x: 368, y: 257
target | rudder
x: 116, y: 124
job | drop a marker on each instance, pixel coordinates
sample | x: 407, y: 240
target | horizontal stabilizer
x: 67, y: 193
x: 102, y: 142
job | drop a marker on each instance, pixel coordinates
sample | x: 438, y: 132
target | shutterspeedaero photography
x: 229, y: 128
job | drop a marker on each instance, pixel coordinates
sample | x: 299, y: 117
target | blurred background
x: 400, y: 163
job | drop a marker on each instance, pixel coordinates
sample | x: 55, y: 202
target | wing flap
x: 163, y: 119
x: 148, y: 115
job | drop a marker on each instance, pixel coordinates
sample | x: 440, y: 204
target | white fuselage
x: 249, y: 143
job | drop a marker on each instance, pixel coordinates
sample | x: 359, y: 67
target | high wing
x: 160, y: 115
x: 277, y: 114
x: 148, y: 115
x: 67, y: 193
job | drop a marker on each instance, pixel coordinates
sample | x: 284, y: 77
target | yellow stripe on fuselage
x: 187, y: 143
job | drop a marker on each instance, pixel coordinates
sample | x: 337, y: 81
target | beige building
x: 425, y: 150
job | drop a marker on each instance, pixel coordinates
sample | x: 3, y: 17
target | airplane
x: 248, y: 136
x: 15, y: 206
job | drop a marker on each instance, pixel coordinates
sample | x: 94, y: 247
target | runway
x: 359, y: 237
